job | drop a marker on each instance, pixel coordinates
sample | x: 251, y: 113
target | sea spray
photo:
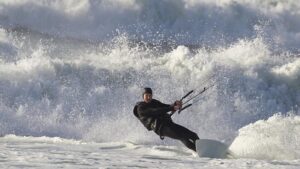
x: 274, y: 138
x: 76, y: 70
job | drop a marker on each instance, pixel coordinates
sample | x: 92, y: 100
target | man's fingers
x: 178, y: 102
x: 177, y: 107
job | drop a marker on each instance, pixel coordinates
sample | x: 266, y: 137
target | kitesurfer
x: 154, y: 116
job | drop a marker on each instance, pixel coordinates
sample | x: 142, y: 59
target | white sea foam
x: 183, y: 21
x: 43, y: 152
x: 274, y: 138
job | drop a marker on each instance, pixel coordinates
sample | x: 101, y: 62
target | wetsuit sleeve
x: 148, y: 111
x: 162, y: 104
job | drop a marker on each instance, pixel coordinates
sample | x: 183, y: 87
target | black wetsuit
x: 154, y: 116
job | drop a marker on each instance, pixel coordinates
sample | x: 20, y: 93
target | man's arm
x: 161, y: 104
x: 147, y: 111
x: 176, y: 105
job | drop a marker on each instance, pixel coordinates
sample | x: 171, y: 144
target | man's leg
x: 175, y: 131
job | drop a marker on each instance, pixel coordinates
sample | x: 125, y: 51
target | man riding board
x: 154, y: 116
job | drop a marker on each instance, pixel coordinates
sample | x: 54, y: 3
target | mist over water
x: 75, y: 69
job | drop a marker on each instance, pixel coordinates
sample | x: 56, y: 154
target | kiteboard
x: 211, y: 148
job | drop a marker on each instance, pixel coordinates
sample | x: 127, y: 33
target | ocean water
x: 72, y: 71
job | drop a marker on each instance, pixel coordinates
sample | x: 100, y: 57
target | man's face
x: 147, y: 97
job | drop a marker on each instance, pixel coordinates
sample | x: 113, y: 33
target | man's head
x: 147, y: 94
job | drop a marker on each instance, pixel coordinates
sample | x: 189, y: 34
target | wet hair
x: 147, y: 90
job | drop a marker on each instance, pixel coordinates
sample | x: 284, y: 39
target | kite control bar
x: 191, y: 98
x: 190, y: 92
